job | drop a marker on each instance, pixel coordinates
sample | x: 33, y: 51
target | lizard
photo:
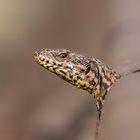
x: 84, y: 72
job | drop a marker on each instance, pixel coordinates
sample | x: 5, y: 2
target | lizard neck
x: 108, y: 77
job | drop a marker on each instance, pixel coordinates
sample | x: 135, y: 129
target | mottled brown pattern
x: 84, y: 72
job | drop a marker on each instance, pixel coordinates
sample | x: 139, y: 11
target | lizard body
x: 84, y: 72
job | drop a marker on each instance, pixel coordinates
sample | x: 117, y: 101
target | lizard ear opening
x: 87, y: 70
x: 89, y: 67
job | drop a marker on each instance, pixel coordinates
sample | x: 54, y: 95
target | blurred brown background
x: 37, y: 105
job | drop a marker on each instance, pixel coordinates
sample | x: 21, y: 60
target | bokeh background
x: 37, y: 105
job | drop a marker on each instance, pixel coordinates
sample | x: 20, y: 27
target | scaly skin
x: 84, y: 72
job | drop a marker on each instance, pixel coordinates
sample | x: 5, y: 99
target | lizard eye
x: 63, y: 55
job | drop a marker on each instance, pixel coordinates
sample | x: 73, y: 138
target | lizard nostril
x: 35, y: 54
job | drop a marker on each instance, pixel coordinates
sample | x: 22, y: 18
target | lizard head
x: 70, y: 66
